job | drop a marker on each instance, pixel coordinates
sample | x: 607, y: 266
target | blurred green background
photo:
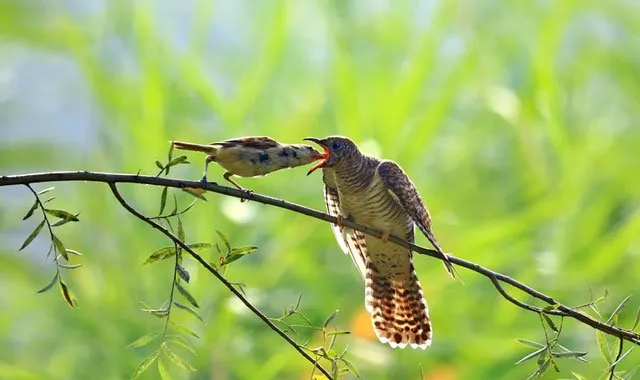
x: 516, y: 120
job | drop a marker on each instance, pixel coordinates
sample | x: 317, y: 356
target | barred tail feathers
x: 398, y: 309
x: 209, y: 149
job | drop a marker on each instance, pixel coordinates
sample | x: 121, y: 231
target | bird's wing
x: 350, y: 241
x: 261, y: 142
x: 404, y: 192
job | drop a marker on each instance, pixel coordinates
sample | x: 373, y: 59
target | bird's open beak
x: 323, y: 156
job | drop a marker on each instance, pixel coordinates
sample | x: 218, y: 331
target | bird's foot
x: 385, y: 237
x: 204, y: 181
x: 340, y: 221
x: 248, y: 192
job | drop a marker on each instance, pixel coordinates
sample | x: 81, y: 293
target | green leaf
x: 339, y: 332
x: 530, y: 343
x: 195, y: 192
x: 637, y: 320
x: 199, y: 246
x: 62, y: 214
x: 550, y: 322
x: 630, y: 375
x: 145, y: 364
x: 67, y: 294
x: 578, y: 376
x: 182, y: 343
x: 188, y: 309
x: 48, y: 189
x: 532, y: 355
x: 161, y: 254
x: 60, y: 247
x: 69, y: 266
x: 182, y: 272
x: 31, y: 210
x: 50, y: 284
x: 571, y: 354
x: 74, y: 252
x: 603, y: 346
x: 177, y: 359
x: 187, y: 295
x: 617, y: 310
x: 330, y: 318
x: 163, y: 200
x: 144, y: 340
x: 159, y: 165
x: 170, y: 154
x: 32, y: 236
x: 177, y: 161
x: 237, y: 253
x: 224, y: 240
x: 352, y: 368
x: 160, y: 313
x: 180, y: 230
x: 184, y: 330
x: 162, y: 370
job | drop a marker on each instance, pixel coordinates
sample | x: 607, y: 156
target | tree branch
x: 497, y: 279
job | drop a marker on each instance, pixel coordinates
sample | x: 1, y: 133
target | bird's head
x: 337, y: 150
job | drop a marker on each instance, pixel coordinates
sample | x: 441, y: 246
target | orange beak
x: 322, y: 156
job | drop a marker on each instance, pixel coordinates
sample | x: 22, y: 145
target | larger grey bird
x: 378, y: 194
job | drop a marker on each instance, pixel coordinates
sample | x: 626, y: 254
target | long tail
x: 209, y: 149
x: 399, y: 312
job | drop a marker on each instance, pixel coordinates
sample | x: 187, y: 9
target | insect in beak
x: 322, y: 156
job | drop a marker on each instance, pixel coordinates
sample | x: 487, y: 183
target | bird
x: 252, y: 156
x: 378, y: 194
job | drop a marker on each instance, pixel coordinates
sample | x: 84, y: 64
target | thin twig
x: 495, y: 277
x: 221, y: 278
x: 612, y: 375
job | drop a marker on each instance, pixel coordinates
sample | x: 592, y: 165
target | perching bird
x: 252, y: 156
x: 378, y: 194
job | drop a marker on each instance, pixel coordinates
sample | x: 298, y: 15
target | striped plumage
x: 378, y: 194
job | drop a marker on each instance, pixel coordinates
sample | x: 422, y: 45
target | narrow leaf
x: 145, y: 364
x: 188, y: 309
x: 635, y: 323
x: 224, y: 240
x: 603, y: 346
x: 177, y: 359
x: 530, y: 343
x: 244, y: 250
x: 48, y: 189
x: 187, y: 295
x: 182, y: 343
x: 31, y: 210
x: 572, y: 354
x: 185, y: 330
x: 161, y: 254
x: 144, y: 340
x: 177, y: 161
x: 550, y: 322
x: 170, y: 154
x: 60, y: 247
x: 352, y: 368
x: 531, y: 355
x: 339, y: 332
x: 160, y: 313
x: 620, y: 306
x: 50, y: 284
x: 630, y: 375
x: 182, y: 272
x: 199, y: 246
x: 330, y: 318
x: 74, y: 252
x: 159, y: 165
x: 196, y: 192
x: 578, y: 376
x: 66, y: 293
x: 32, y: 236
x: 180, y: 230
x: 162, y: 370
x: 163, y: 200
x: 69, y: 266
x: 62, y: 214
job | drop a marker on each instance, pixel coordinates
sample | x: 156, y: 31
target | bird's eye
x: 336, y: 146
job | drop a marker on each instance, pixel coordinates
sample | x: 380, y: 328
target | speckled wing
x: 260, y: 142
x: 350, y: 241
x: 404, y: 192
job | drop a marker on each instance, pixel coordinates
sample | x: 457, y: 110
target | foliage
x: 515, y: 120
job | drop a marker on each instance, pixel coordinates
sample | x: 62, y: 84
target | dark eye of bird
x: 336, y: 146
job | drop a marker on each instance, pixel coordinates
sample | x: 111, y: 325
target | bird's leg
x: 227, y: 176
x: 206, y: 165
x: 385, y: 237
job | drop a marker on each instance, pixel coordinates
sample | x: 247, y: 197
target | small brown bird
x: 252, y: 156
x: 378, y: 194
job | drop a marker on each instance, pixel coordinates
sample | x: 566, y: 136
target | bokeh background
x: 516, y: 120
